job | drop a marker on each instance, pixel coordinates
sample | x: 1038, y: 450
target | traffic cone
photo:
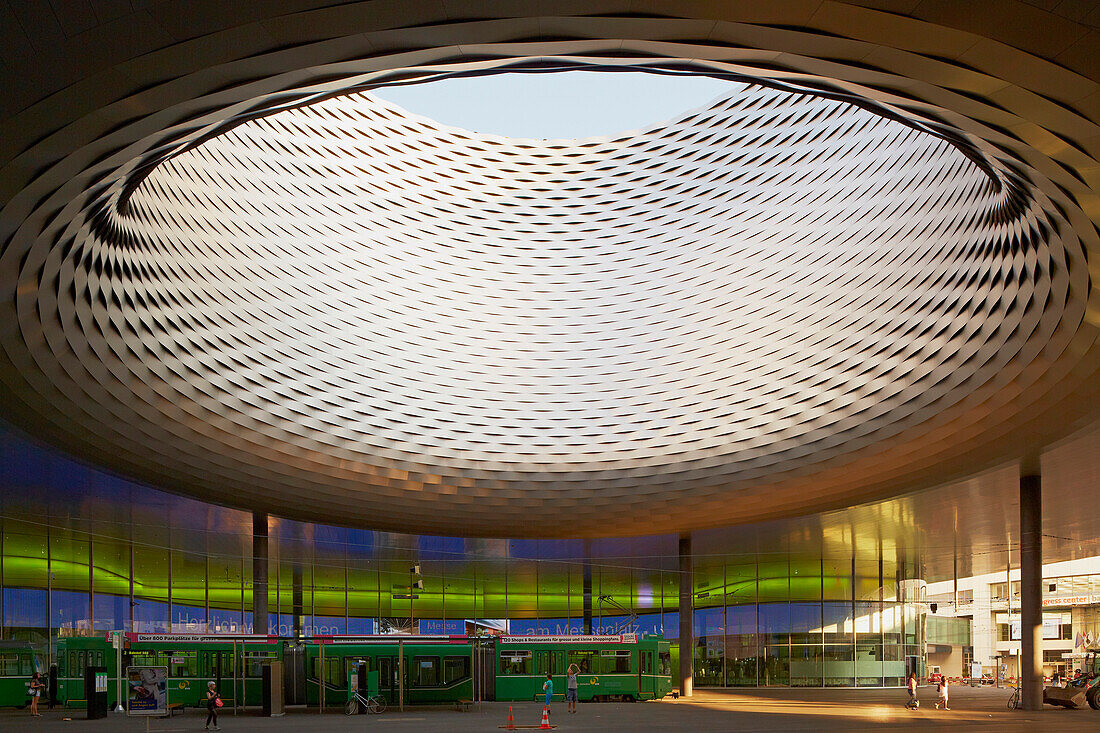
x: 511, y: 722
x: 545, y: 725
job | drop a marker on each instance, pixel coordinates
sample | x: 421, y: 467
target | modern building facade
x: 1071, y: 614
x: 86, y: 553
x: 754, y: 375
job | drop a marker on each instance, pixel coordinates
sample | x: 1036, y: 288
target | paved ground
x: 710, y: 710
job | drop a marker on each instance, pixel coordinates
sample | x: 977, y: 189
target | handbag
x: 218, y: 702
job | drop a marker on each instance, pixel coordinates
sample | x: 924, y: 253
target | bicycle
x: 1014, y: 699
x: 371, y: 703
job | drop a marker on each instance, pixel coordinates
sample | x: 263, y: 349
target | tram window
x: 229, y: 664
x: 616, y: 661
x: 81, y: 662
x: 254, y: 667
x: 664, y: 665
x: 332, y: 673
x: 180, y: 664
x: 455, y: 669
x: 427, y: 671
x: 584, y: 659
x: 98, y: 658
x: 143, y: 659
x: 9, y: 663
x: 331, y: 668
x: 516, y: 661
x: 351, y: 665
x: 254, y: 662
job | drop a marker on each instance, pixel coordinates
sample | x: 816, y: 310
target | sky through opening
x: 559, y: 105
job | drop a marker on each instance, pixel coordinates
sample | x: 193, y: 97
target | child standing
x: 548, y: 687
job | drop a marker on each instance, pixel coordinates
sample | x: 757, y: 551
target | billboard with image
x: 147, y: 690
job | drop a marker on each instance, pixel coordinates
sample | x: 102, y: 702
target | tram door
x: 294, y: 678
x: 486, y: 678
x: 645, y: 673
x: 387, y: 679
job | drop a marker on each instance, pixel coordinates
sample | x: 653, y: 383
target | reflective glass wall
x: 83, y: 552
x: 821, y: 623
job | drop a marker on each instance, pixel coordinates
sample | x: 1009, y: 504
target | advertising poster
x: 147, y: 690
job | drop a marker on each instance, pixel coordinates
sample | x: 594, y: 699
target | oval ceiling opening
x: 556, y: 105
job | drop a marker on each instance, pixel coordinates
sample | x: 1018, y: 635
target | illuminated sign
x: 620, y: 639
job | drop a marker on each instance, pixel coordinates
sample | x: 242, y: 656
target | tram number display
x: 146, y: 690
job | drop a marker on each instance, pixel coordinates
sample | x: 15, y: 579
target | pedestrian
x: 213, y: 702
x: 35, y: 691
x: 50, y: 691
x: 548, y: 687
x: 941, y: 688
x: 571, y: 687
x: 913, y: 703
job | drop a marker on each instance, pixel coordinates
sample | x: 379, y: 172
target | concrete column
x: 296, y: 598
x: 259, y: 573
x: 687, y: 621
x: 587, y: 580
x: 1031, y: 592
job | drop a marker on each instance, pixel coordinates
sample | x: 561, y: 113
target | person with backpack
x: 213, y: 702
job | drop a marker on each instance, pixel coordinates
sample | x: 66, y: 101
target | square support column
x: 1031, y: 592
x: 259, y: 573
x: 687, y: 620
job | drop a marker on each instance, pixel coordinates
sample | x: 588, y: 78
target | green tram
x: 611, y: 667
x: 73, y: 656
x: 233, y: 663
x: 438, y: 669
x: 18, y: 661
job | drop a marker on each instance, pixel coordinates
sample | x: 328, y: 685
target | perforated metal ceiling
x: 342, y: 312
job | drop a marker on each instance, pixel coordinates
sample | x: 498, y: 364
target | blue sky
x: 567, y: 104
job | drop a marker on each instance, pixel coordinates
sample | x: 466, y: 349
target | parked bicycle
x: 371, y: 703
x: 1014, y: 700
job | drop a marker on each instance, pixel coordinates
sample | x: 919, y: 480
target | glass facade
x: 809, y: 624
x: 84, y: 552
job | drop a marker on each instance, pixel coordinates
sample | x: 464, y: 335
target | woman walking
x: 913, y: 703
x: 213, y: 702
x: 941, y: 688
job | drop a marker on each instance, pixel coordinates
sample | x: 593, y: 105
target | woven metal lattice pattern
x: 357, y: 308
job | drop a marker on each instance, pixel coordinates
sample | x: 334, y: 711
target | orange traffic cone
x: 545, y: 725
x: 511, y: 722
